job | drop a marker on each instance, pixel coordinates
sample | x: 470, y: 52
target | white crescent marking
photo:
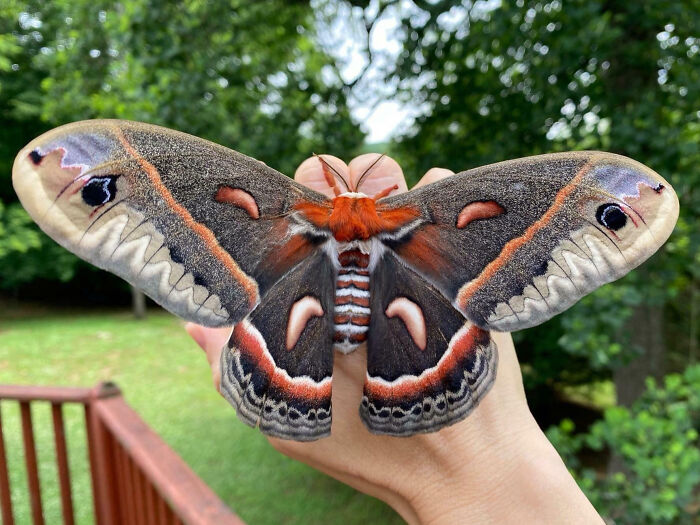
x: 303, y: 310
x: 412, y: 316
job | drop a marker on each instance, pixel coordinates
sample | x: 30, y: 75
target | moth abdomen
x: 352, y: 309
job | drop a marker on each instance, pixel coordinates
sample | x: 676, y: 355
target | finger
x: 383, y: 174
x: 433, y: 175
x: 310, y: 174
x: 212, y: 341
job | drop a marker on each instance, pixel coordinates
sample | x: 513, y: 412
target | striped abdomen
x: 351, y: 301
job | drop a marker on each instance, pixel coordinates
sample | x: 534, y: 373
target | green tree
x: 499, y: 80
x: 244, y: 74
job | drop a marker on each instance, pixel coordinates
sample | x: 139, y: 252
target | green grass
x: 165, y: 378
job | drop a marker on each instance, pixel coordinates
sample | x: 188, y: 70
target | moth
x: 422, y: 277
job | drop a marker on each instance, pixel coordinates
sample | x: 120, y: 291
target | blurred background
x: 615, y: 380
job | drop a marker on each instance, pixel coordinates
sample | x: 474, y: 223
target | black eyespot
x: 440, y: 405
x: 659, y: 188
x: 36, y: 157
x: 100, y: 190
x: 611, y: 216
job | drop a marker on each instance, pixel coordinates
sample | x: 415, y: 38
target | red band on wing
x: 249, y: 285
x: 464, y: 342
x: 513, y: 245
x: 250, y: 343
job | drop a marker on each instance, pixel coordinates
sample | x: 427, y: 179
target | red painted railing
x: 136, y: 477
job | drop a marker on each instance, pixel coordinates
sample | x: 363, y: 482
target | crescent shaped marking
x: 412, y: 316
x: 249, y: 286
x: 239, y: 198
x: 478, y: 210
x: 302, y: 310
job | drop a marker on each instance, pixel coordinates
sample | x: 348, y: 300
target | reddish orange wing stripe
x: 249, y: 285
x: 248, y: 344
x: 514, y: 245
x: 412, y: 386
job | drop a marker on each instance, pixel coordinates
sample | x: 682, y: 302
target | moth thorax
x: 352, y: 311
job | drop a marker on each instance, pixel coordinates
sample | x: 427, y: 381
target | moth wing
x: 276, y: 369
x: 427, y: 366
x: 514, y: 243
x: 203, y: 230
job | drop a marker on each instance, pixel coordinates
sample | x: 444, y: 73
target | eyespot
x: 36, y: 157
x: 611, y: 216
x: 99, y: 190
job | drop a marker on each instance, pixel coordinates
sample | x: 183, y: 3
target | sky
x: 345, y: 41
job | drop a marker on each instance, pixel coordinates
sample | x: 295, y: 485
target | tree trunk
x: 138, y: 303
x: 646, y: 328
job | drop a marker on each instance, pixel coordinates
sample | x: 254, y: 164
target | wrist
x: 476, y: 476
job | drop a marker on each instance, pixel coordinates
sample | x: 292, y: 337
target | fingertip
x: 196, y: 332
x: 209, y: 339
x: 310, y: 173
x: 434, y: 175
x: 384, y: 174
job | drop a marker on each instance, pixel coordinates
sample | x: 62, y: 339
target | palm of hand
x: 418, y: 475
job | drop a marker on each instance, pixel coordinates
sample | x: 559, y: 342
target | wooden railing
x: 136, y: 477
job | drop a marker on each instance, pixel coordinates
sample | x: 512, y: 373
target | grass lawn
x: 165, y: 378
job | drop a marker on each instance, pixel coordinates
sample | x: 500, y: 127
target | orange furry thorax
x: 351, y: 218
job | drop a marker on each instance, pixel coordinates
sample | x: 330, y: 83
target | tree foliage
x: 500, y: 80
x: 243, y: 74
x: 657, y: 441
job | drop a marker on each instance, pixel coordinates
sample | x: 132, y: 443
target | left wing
x: 203, y: 230
x: 514, y: 243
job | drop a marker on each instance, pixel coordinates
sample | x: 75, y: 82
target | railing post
x: 101, y: 461
x: 59, y: 433
x: 31, y: 464
x: 5, y: 497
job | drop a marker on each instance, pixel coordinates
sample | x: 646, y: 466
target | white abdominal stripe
x: 436, y: 398
x: 352, y: 301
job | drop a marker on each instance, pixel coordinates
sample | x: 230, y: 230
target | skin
x: 496, y: 466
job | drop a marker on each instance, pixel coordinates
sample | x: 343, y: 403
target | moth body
x: 352, y: 308
x: 422, y: 276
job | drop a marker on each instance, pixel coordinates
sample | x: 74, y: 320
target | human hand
x: 494, y: 466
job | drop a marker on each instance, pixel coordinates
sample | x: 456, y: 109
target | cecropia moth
x: 221, y: 239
